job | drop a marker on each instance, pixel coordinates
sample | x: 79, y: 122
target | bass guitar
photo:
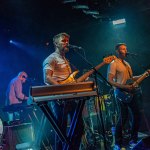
x: 71, y: 77
x: 126, y: 96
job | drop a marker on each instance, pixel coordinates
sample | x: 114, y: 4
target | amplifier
x: 17, y: 134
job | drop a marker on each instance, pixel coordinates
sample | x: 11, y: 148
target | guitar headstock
x: 148, y: 71
x: 109, y: 59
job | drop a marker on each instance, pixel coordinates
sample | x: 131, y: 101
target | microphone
x: 131, y: 54
x: 74, y: 47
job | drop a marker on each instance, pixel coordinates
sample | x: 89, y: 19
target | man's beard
x: 65, y: 49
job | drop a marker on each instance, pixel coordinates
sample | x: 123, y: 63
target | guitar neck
x: 87, y: 74
x: 139, y: 80
x: 71, y: 78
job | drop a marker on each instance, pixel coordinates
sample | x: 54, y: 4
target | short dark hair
x: 119, y: 44
x: 22, y: 73
x: 59, y: 35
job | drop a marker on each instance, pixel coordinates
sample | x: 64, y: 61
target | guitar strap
x: 131, y: 76
x: 128, y: 69
x: 68, y: 66
x: 73, y: 67
x: 122, y: 95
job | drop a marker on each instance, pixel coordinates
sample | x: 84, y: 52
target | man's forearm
x: 50, y: 80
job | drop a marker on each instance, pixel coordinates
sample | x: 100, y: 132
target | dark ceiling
x: 28, y: 18
x: 108, y: 9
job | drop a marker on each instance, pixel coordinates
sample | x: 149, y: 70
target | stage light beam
x: 119, y: 21
x: 10, y: 41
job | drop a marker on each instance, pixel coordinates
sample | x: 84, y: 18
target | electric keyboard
x: 62, y: 91
x: 42, y: 94
x: 16, y: 107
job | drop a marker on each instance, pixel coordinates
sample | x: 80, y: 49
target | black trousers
x: 63, y: 112
x: 129, y: 111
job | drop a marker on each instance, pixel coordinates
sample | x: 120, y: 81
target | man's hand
x: 148, y: 71
x: 128, y: 87
x: 26, y: 97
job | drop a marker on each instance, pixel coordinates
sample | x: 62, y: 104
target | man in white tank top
x: 119, y: 72
x: 56, y: 68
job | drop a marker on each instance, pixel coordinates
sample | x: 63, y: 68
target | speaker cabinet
x: 17, y: 134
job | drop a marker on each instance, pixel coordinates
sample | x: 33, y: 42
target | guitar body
x: 70, y: 79
x: 124, y: 96
x: 127, y: 96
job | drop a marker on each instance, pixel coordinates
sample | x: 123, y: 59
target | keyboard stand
x: 77, y: 115
x: 81, y: 91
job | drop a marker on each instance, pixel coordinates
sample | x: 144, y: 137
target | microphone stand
x: 97, y: 91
